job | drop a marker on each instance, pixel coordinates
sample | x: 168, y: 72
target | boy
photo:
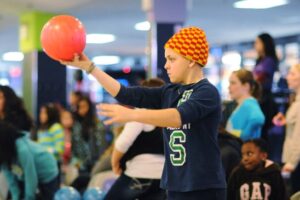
x: 256, y: 177
x: 189, y: 109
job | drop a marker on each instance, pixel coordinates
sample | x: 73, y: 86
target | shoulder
x: 55, y: 126
x: 250, y: 102
x: 205, y: 88
x: 269, y: 60
x: 22, y: 144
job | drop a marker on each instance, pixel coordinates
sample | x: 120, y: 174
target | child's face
x: 66, y: 119
x: 176, y: 66
x: 43, y: 115
x: 83, y: 108
x: 252, y: 156
x: 236, y: 88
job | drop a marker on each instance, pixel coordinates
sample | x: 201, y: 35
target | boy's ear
x: 192, y: 63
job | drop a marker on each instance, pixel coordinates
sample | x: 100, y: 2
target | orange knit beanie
x: 190, y: 43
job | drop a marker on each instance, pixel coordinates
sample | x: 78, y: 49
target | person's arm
x: 12, y: 184
x: 111, y: 85
x: 232, y: 185
x: 169, y: 117
x: 203, y: 101
x: 125, y: 140
x: 278, y: 188
x: 115, y: 161
x: 294, y: 158
x: 26, y: 159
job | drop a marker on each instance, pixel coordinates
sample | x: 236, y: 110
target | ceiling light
x: 99, y: 38
x: 13, y: 56
x: 142, y: 26
x: 232, y: 60
x: 106, y: 60
x: 259, y: 4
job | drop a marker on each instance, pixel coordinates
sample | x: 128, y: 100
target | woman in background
x: 291, y: 147
x: 247, y: 119
x: 266, y: 66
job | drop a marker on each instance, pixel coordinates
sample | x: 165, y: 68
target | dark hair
x: 153, y: 82
x: 89, y: 120
x: 246, y: 76
x: 260, y: 143
x: 14, y: 111
x: 8, y: 136
x: 52, y: 111
x: 269, y: 47
x: 78, y: 94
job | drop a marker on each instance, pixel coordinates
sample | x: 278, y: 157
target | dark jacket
x: 265, y: 184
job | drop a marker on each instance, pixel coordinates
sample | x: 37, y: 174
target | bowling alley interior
x: 150, y: 100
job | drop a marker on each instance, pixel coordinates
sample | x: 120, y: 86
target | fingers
x: 110, y: 121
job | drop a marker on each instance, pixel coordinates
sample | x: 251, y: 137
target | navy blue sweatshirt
x: 192, y: 154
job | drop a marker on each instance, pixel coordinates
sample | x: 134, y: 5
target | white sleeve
x: 127, y: 137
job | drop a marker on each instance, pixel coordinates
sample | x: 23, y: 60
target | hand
x: 81, y: 61
x: 288, y: 168
x: 279, y: 119
x: 116, y: 113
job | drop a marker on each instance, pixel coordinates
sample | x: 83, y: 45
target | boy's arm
x: 169, y: 117
x: 111, y: 85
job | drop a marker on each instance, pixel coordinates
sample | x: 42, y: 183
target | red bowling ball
x: 63, y: 36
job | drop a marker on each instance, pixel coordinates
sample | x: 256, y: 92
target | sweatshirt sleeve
x: 26, y: 159
x: 278, y: 188
x: 295, y: 148
x: 232, y: 185
x: 141, y: 97
x: 12, y: 184
x: 201, y: 103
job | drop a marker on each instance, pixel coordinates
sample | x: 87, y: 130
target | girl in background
x: 67, y: 122
x: 12, y: 109
x: 51, y: 133
x: 247, y: 119
x: 27, y: 165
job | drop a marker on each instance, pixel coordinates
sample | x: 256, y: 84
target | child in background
x: 27, y: 165
x: 256, y: 177
x: 51, y: 133
x: 67, y: 121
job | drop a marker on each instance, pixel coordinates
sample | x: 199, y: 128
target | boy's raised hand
x: 80, y: 61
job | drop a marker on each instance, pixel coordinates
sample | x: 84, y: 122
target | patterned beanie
x: 190, y: 43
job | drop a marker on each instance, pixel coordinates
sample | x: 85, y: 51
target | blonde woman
x: 291, y: 147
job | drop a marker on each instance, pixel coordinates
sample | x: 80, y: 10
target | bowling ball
x: 63, y: 36
x: 93, y: 194
x: 67, y: 193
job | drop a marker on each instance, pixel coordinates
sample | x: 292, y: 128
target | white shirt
x: 143, y: 165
